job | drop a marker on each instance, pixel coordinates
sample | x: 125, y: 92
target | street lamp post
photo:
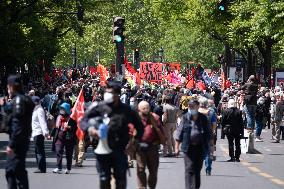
x: 161, y: 54
x: 74, y: 57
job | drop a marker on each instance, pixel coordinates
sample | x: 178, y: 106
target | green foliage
x: 188, y: 30
x: 184, y: 44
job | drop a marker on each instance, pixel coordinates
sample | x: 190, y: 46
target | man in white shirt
x: 39, y: 132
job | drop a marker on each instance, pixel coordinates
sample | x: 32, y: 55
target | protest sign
x: 151, y: 71
x: 173, y: 66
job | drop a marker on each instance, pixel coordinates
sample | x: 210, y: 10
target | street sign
x: 239, y: 62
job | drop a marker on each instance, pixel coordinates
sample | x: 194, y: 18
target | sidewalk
x: 3, y: 143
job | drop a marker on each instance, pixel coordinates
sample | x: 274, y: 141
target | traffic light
x: 80, y: 12
x: 118, y: 39
x: 222, y: 5
x: 136, y: 53
x: 136, y: 58
x: 118, y: 29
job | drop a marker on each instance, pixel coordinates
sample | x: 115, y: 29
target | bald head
x: 144, y: 107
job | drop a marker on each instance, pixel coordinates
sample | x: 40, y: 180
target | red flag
x: 201, y: 86
x: 128, y: 66
x: 103, y: 74
x: 78, y: 113
x: 92, y: 70
x: 191, y: 81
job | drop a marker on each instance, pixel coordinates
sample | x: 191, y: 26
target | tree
x: 185, y: 44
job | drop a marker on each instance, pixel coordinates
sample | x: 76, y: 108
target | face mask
x: 193, y: 112
x: 132, y: 103
x: 62, y: 112
x: 108, y: 98
x: 145, y: 114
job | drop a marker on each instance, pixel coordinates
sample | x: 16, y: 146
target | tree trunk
x: 266, y: 52
x: 249, y: 68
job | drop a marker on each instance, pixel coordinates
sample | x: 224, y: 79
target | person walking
x: 120, y: 116
x: 277, y: 118
x: 259, y: 118
x: 192, y: 138
x: 39, y: 132
x: 233, y: 127
x: 212, y: 125
x: 64, y: 138
x: 147, y: 154
x: 19, y: 121
x: 169, y: 121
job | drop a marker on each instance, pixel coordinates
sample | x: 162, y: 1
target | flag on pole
x: 78, y: 113
x: 103, y: 74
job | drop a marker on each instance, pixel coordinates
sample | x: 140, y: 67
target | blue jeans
x: 250, y: 115
x: 259, y: 126
x: 208, y: 160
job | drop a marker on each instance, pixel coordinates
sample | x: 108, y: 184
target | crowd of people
x: 124, y: 124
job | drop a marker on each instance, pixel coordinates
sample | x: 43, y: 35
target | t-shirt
x: 171, y: 113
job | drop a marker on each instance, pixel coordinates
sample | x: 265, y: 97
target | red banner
x: 173, y: 66
x: 151, y: 71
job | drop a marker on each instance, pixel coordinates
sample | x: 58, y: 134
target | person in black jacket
x: 232, y: 123
x: 120, y: 116
x: 20, y: 132
x: 250, y: 89
x: 192, y: 137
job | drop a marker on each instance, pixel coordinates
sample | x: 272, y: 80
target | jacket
x: 233, y: 117
x: 120, y: 117
x: 20, y: 121
x: 250, y: 89
x: 184, y: 132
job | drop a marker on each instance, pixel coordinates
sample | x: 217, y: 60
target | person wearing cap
x: 64, y: 137
x: 192, y: 138
x: 19, y: 122
x: 232, y: 124
x: 39, y: 132
x: 120, y: 116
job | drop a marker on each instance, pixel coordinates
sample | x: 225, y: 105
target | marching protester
x: 119, y: 116
x: 233, y: 128
x: 147, y: 154
x: 277, y: 116
x: 259, y: 118
x: 193, y: 139
x: 39, y: 132
x: 212, y: 125
x: 64, y: 138
x: 169, y: 119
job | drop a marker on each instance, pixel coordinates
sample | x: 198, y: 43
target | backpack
x: 118, y: 133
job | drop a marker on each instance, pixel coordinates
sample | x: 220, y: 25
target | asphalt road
x: 261, y: 171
